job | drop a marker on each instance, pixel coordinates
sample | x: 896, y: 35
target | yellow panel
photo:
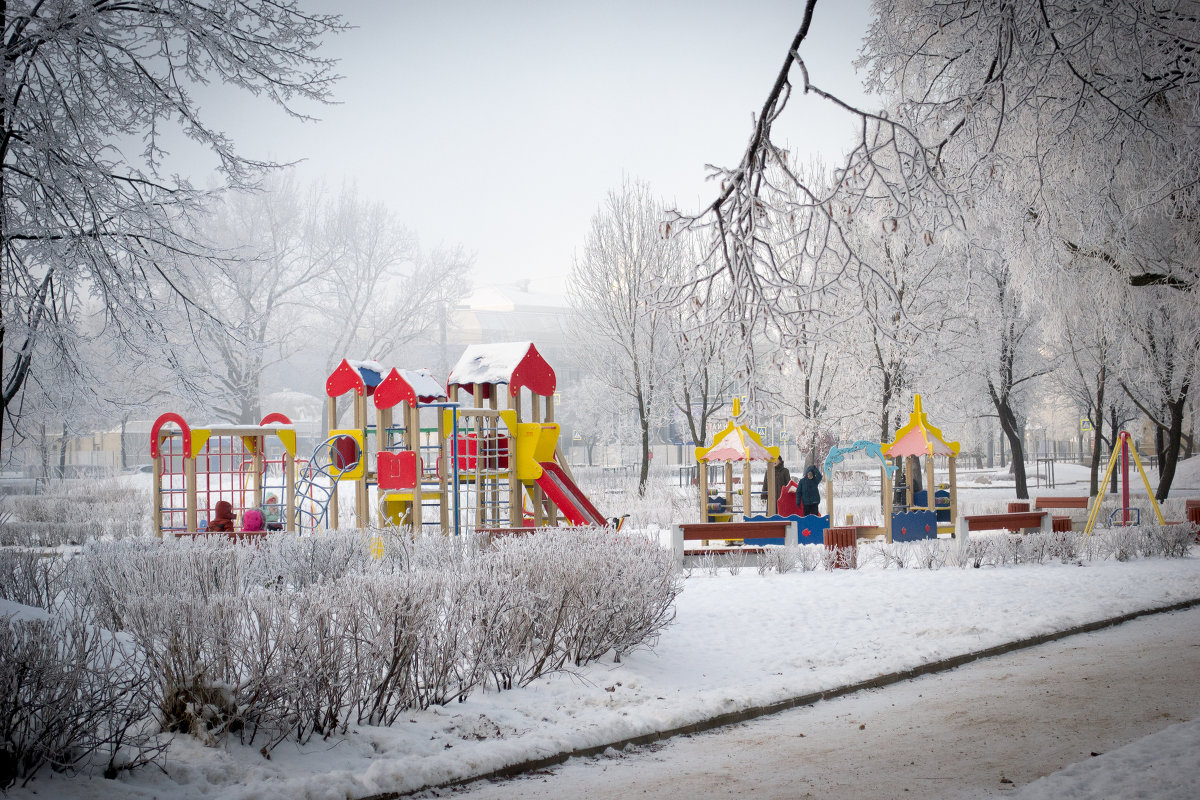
x: 288, y: 440
x: 360, y: 469
x: 200, y: 437
x: 547, y: 443
x: 528, y: 435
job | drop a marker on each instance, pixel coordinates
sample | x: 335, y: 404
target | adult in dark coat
x: 782, y: 476
x: 223, y: 520
x: 810, y: 491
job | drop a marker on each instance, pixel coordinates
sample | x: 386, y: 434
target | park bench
x: 1063, y: 522
x: 1013, y: 521
x: 754, y: 535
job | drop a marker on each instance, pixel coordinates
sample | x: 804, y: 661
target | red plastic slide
x: 566, y: 495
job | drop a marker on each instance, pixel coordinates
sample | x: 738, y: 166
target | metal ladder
x: 313, y: 495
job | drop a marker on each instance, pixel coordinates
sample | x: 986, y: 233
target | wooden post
x: 772, y: 489
x: 953, y: 491
x: 414, y: 432
x: 729, y: 486
x: 362, y: 509
x: 702, y: 482
x: 447, y: 469
x: 259, y: 466
x: 480, y: 441
x: 930, y: 486
x: 908, y: 479
x: 333, y: 503
x: 746, y: 493
x: 550, y: 418
x: 289, y: 478
x: 156, y: 498
x: 885, y: 486
x: 829, y: 498
x: 189, y: 481
x: 536, y: 495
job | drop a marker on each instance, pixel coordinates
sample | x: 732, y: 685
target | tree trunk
x: 62, y: 454
x: 644, y: 475
x: 1012, y: 430
x: 1112, y: 421
x: 1170, y: 456
x: 1097, y: 436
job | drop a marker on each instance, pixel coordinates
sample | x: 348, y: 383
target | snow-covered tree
x: 89, y: 91
x: 616, y: 290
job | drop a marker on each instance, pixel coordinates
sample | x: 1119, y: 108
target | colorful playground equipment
x: 920, y: 514
x: 1128, y: 514
x: 737, y: 443
x: 196, y: 467
x: 411, y: 450
x: 501, y: 459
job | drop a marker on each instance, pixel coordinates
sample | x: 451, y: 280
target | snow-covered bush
x: 302, y: 636
x: 32, y: 578
x: 71, y: 696
x: 75, y: 511
x: 808, y: 557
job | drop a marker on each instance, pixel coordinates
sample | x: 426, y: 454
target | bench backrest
x: 1061, y: 502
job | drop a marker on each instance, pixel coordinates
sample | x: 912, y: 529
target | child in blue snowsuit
x: 810, y: 491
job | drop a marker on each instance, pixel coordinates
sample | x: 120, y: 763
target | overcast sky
x: 501, y: 124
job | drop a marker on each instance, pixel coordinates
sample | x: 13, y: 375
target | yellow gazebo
x: 737, y: 443
x: 918, y: 438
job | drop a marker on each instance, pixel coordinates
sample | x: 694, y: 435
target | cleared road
x: 977, y: 731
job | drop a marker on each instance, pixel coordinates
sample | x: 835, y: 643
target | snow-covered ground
x: 738, y: 641
x: 1162, y: 766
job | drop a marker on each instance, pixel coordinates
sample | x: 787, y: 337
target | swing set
x: 1122, y: 452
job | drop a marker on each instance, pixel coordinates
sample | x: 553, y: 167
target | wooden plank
x: 996, y: 522
x: 1061, y: 502
x: 694, y: 531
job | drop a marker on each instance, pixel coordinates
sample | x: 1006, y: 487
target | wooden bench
x: 1061, y: 502
x: 1014, y: 522
x: 1062, y: 523
x: 754, y: 534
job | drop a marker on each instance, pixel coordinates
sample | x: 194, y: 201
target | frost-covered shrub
x: 928, y: 553
x: 1169, y: 541
x: 84, y: 510
x: 47, y: 534
x: 597, y: 590
x: 32, y: 578
x: 71, y: 696
x: 779, y: 559
x: 809, y: 557
x: 302, y: 636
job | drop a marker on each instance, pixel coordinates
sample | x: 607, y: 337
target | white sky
x: 501, y: 125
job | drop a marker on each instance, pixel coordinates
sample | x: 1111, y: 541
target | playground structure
x: 921, y: 515
x: 737, y: 443
x: 1121, y: 453
x: 195, y: 467
x: 413, y: 453
x: 501, y: 459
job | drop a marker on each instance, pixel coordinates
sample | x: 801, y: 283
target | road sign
x: 1085, y: 424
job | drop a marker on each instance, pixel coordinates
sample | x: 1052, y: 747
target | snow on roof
x: 408, y: 385
x: 349, y: 375
x: 514, y: 363
x: 488, y: 363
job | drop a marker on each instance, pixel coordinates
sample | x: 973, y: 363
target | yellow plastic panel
x: 359, y: 469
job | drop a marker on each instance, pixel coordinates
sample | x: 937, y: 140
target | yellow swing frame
x: 1126, y: 441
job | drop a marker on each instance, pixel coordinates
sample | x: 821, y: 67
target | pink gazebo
x: 916, y: 439
x: 737, y: 443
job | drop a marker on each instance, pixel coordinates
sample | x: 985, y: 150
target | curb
x: 754, y: 712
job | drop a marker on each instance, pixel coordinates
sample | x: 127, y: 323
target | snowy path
x: 955, y: 735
